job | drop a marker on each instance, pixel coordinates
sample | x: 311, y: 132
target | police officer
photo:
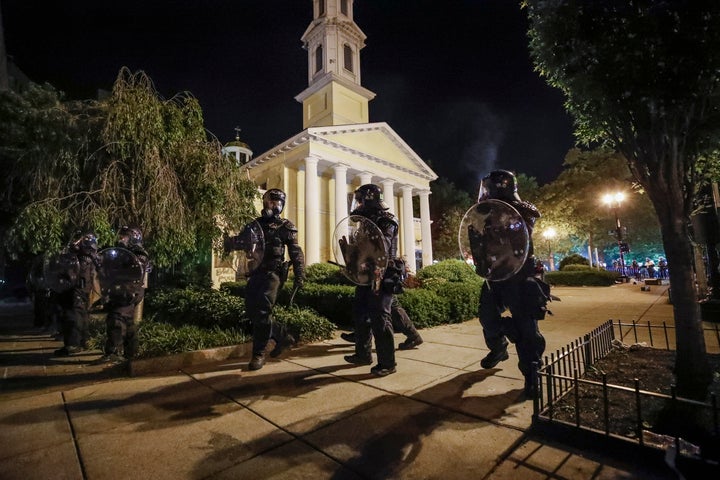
x: 122, y: 341
x: 523, y: 293
x: 74, y: 303
x: 269, y: 276
x: 373, y: 302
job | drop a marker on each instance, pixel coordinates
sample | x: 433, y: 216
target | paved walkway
x: 307, y: 415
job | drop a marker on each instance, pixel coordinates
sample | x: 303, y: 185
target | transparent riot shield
x: 250, y: 242
x: 121, y: 275
x: 359, y: 247
x: 493, y: 235
x: 61, y: 272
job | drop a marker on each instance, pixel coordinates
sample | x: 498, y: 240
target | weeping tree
x: 160, y: 171
x: 44, y: 144
x: 644, y: 77
x: 134, y: 158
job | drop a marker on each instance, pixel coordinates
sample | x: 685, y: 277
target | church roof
x: 373, y: 147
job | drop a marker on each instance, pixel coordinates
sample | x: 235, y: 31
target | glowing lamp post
x: 613, y: 200
x: 548, y: 235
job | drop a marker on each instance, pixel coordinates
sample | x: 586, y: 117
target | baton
x: 292, y: 297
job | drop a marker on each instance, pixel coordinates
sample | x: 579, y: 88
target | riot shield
x: 61, y: 272
x: 251, y: 243
x: 121, y: 275
x: 493, y: 235
x: 359, y: 247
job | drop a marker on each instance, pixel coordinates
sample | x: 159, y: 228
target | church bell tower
x: 333, y: 41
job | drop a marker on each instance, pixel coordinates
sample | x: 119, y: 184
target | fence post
x: 650, y: 334
x: 638, y: 409
x: 606, y: 405
x: 577, y: 398
x: 588, y: 352
x: 667, y: 340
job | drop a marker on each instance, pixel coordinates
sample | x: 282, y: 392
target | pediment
x: 375, y: 143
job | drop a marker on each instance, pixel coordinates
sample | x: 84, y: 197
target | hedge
x: 449, y: 294
x: 587, y: 278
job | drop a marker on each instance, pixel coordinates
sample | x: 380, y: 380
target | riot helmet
x: 273, y: 202
x: 129, y: 235
x: 88, y: 243
x: 499, y: 185
x: 368, y: 197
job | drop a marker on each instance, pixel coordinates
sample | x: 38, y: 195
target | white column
x: 408, y: 233
x: 341, y: 190
x: 387, y: 186
x: 365, y: 178
x: 425, y: 232
x: 312, y: 212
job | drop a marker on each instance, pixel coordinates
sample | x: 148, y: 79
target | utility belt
x: 276, y: 266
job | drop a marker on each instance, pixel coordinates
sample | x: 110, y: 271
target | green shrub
x: 304, y: 323
x: 462, y: 298
x: 203, y: 308
x: 325, y: 274
x: 333, y: 302
x: 236, y: 289
x: 448, y: 270
x: 160, y: 338
x: 577, y: 268
x: 574, y: 259
x: 425, y: 307
x: 588, y: 278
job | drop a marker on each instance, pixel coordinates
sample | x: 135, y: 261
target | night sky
x: 453, y: 78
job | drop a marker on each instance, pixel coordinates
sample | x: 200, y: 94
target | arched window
x: 344, y: 7
x: 321, y: 8
x: 347, y: 57
x: 318, y: 58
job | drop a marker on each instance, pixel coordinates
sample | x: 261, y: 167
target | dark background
x: 453, y: 78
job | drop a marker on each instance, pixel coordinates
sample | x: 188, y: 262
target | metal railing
x: 559, y: 380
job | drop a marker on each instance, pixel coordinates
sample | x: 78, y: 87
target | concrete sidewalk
x: 307, y: 415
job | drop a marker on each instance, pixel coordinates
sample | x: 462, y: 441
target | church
x: 339, y: 149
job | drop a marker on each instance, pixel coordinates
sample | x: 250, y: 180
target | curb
x: 179, y: 361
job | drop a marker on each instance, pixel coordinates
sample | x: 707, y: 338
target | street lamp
x: 613, y: 200
x: 548, y: 235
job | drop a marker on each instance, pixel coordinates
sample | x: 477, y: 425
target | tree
x: 644, y: 77
x: 572, y: 205
x: 448, y: 204
x: 133, y: 158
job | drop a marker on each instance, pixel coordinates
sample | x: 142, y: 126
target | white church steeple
x: 333, y: 41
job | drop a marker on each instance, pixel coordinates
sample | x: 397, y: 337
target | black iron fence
x: 559, y: 382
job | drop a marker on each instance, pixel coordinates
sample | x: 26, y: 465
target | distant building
x: 339, y: 149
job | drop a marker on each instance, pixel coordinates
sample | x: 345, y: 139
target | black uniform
x: 74, y: 303
x: 120, y: 324
x: 523, y: 294
x: 268, y: 277
x: 373, y: 302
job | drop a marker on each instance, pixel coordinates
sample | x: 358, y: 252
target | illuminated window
x: 318, y: 58
x: 347, y: 56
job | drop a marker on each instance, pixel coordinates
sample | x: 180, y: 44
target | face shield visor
x: 273, y: 203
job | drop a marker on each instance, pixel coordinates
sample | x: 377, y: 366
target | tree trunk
x: 692, y: 370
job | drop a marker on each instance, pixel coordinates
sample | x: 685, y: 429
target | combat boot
x: 493, y: 358
x: 257, y: 362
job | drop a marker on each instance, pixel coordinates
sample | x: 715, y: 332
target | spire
x: 333, y: 42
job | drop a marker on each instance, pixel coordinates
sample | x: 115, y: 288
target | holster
x: 283, y: 272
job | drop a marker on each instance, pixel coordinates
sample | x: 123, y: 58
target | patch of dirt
x: 654, y: 370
